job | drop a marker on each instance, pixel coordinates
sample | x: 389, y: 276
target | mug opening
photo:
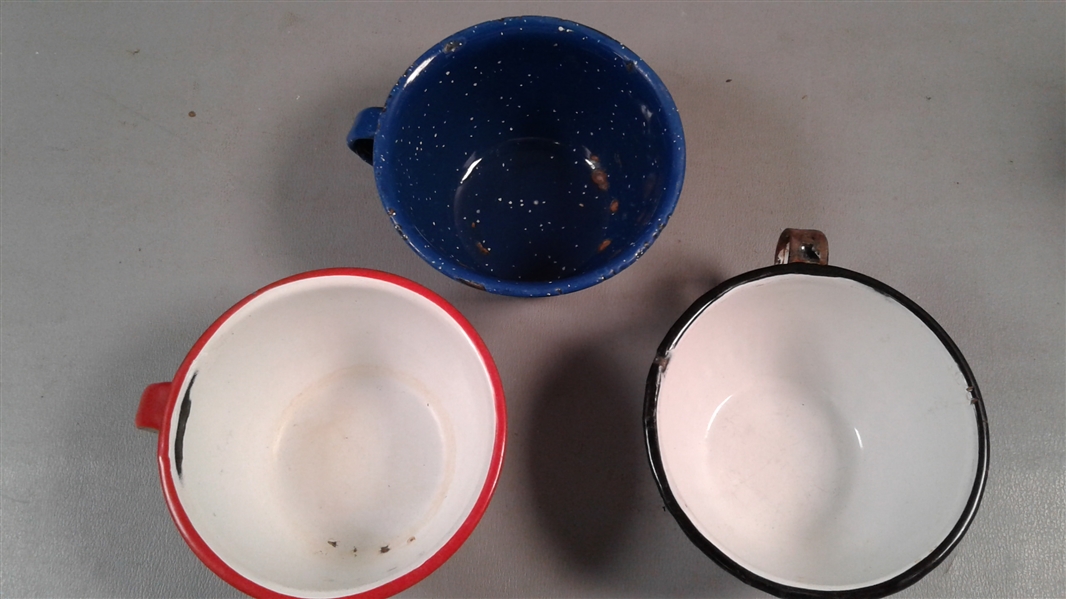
x: 321, y: 454
x: 536, y: 157
x: 812, y: 432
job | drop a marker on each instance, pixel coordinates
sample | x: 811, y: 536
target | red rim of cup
x: 243, y: 584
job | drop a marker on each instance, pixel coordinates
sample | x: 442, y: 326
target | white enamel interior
x: 817, y: 432
x: 341, y: 429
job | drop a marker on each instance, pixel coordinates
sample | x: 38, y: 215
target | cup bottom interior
x: 816, y: 432
x: 529, y: 209
x: 349, y: 479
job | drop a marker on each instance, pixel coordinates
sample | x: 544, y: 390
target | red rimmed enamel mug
x: 815, y: 432
x: 336, y: 434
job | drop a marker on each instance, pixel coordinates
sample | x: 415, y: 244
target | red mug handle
x: 153, y: 406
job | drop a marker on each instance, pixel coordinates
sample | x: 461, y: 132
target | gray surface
x: 926, y: 140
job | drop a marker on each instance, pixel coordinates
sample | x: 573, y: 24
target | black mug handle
x: 802, y: 245
x: 361, y: 137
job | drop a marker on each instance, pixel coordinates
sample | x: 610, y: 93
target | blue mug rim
x: 479, y: 280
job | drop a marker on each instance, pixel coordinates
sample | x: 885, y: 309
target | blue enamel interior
x: 529, y: 156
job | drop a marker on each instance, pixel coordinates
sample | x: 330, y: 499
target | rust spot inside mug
x: 614, y: 206
x: 481, y: 248
x: 599, y: 177
x: 603, y: 245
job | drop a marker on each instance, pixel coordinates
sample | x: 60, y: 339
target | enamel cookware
x: 336, y: 434
x: 526, y: 156
x: 815, y: 432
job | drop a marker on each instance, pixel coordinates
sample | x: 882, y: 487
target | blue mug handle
x: 361, y: 137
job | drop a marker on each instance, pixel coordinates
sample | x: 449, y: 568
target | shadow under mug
x: 815, y: 432
x: 527, y: 156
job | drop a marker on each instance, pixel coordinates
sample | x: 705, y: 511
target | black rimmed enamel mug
x: 815, y: 432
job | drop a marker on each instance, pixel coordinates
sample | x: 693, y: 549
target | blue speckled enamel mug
x: 526, y: 156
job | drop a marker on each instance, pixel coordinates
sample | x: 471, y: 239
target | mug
x: 526, y: 156
x: 336, y: 434
x: 815, y: 432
